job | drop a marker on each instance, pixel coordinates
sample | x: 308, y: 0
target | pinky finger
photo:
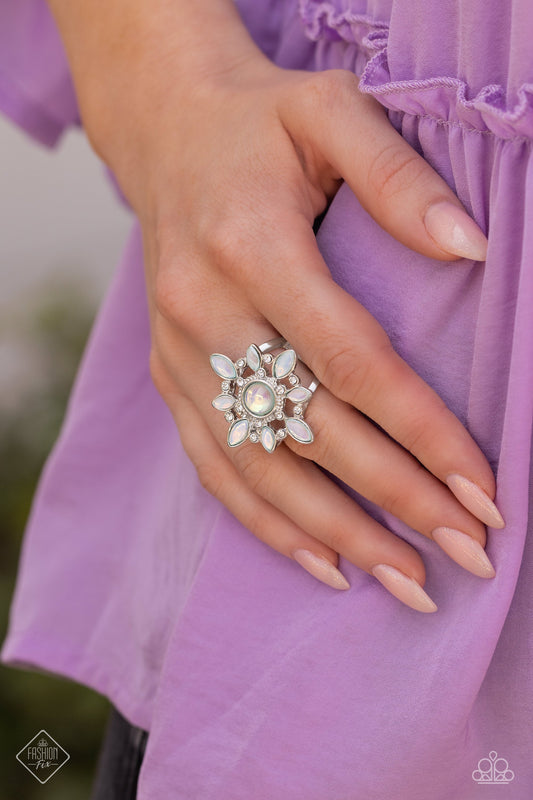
x: 219, y: 477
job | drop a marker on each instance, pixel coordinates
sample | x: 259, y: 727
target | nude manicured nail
x: 321, y: 568
x: 475, y: 500
x: 404, y: 588
x: 454, y: 231
x: 465, y: 551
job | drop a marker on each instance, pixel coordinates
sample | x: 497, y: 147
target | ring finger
x: 349, y: 446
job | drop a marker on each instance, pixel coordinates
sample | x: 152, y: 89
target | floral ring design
x: 259, y: 392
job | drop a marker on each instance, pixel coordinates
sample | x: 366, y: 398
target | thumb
x: 393, y: 183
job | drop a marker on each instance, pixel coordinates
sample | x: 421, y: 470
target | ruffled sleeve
x: 36, y: 89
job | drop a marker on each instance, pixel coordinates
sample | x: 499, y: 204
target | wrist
x: 130, y: 58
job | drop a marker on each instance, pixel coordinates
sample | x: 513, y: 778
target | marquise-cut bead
x: 238, y: 432
x: 299, y: 430
x: 299, y: 394
x: 268, y: 439
x: 284, y: 364
x: 223, y: 366
x: 223, y: 402
x: 253, y: 357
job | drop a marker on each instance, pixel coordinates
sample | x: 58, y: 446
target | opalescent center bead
x: 259, y: 399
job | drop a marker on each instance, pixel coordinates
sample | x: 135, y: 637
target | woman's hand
x: 227, y: 160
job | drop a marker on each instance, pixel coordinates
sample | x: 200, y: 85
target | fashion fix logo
x: 42, y: 756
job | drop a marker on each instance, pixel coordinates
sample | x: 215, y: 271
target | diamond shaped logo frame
x: 42, y: 752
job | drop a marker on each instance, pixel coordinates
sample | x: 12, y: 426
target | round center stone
x: 259, y: 399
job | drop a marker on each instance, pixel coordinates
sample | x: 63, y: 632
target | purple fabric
x: 36, y: 89
x: 254, y: 679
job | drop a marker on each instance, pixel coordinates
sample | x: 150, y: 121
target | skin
x: 227, y: 159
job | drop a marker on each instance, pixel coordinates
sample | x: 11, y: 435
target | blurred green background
x: 50, y: 341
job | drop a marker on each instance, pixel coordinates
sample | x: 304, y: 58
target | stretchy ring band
x: 259, y: 391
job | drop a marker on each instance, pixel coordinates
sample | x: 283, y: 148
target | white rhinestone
x: 254, y: 437
x: 225, y: 386
x: 280, y: 434
x: 298, y: 410
x: 280, y: 389
x: 293, y: 379
x: 261, y: 373
x: 267, y: 359
x: 240, y: 381
x: 279, y: 415
x: 228, y: 416
x: 240, y: 362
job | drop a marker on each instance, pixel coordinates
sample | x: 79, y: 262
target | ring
x: 259, y: 391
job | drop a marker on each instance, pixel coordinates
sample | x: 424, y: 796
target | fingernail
x: 404, y: 588
x: 465, y: 551
x: 475, y: 500
x: 321, y: 568
x: 454, y: 231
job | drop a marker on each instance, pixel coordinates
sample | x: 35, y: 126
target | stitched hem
x: 447, y: 123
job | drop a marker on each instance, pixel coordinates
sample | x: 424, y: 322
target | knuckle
x: 177, y: 292
x: 393, y: 170
x: 326, y: 88
x: 255, y: 471
x: 394, y: 500
x: 337, y: 538
x: 416, y: 435
x: 420, y: 428
x: 167, y: 293
x: 158, y: 372
x: 256, y: 521
x: 227, y: 246
x: 348, y: 373
x: 325, y: 444
x: 344, y: 373
x: 211, y: 477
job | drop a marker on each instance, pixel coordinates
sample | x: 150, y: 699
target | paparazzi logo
x: 493, y: 770
x: 42, y: 756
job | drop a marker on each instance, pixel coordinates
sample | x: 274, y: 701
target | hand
x: 226, y: 177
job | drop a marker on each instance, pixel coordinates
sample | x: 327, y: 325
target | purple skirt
x: 253, y: 679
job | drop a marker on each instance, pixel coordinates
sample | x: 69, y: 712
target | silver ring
x: 261, y: 396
